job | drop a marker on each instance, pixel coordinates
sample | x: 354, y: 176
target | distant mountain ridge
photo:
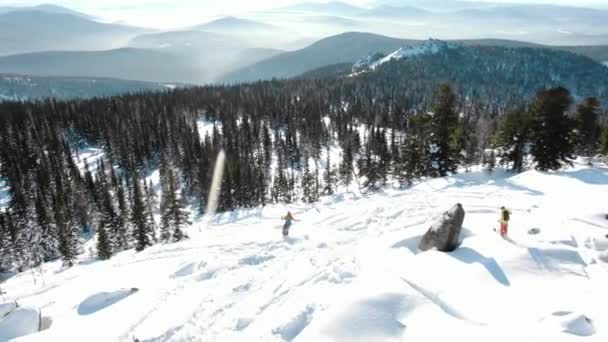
x: 352, y: 46
x: 21, y: 87
x: 32, y: 30
x: 49, y: 8
x: 233, y: 23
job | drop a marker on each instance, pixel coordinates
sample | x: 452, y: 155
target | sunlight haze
x: 181, y: 13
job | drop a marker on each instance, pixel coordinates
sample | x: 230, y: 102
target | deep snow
x: 351, y: 271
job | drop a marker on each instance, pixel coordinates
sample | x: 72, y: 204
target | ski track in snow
x: 351, y: 270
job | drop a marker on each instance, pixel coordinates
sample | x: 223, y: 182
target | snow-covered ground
x: 351, y: 271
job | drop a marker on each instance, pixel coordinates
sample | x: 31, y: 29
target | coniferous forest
x: 276, y: 136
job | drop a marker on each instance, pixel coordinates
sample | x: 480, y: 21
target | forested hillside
x: 284, y: 141
x: 21, y: 87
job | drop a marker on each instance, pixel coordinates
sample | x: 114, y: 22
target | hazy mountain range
x: 48, y: 28
x: 49, y: 40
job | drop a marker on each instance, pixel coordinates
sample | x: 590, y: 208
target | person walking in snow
x: 505, y: 215
x: 288, y: 219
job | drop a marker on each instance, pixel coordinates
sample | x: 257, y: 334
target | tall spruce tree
x: 151, y: 205
x: 68, y: 241
x: 603, y: 145
x: 142, y: 232
x: 6, y: 245
x: 175, y: 216
x: 552, y: 131
x: 346, y: 170
x: 121, y: 230
x: 26, y: 236
x: 329, y: 176
x: 513, y: 138
x: 48, y: 248
x: 414, y: 158
x: 308, y: 183
x: 445, y: 155
x: 589, y: 129
x: 111, y: 222
x: 104, y: 248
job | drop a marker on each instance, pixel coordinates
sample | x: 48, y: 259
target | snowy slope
x: 351, y: 272
x: 375, y: 60
x: 426, y: 48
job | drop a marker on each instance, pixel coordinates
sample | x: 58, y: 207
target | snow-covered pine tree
x: 513, y: 137
x: 445, y: 155
x: 468, y: 143
x: 603, y: 146
x: 552, y: 131
x: 151, y: 204
x: 68, y: 242
x: 490, y: 161
x: 142, y: 232
x: 382, y: 151
x: 329, y: 176
x: 412, y: 160
x: 121, y: 230
x: 175, y: 216
x: 394, y: 152
x: 346, y: 166
x: 104, y: 248
x: 369, y: 164
x: 111, y: 222
x: 281, y: 187
x: 25, y: 235
x: 6, y: 245
x: 49, y: 241
x: 308, y: 183
x: 588, y: 113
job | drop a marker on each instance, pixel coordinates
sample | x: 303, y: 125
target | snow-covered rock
x: 365, y: 62
x: 21, y: 322
x: 444, y: 234
x: 428, y: 47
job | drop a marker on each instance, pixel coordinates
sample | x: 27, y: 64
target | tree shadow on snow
x: 592, y: 176
x: 471, y: 256
x: 500, y: 178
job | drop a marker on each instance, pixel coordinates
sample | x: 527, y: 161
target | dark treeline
x: 276, y: 136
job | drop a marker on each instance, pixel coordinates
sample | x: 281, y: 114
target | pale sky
x: 181, y: 13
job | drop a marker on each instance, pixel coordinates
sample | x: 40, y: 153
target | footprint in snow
x: 295, y: 325
x: 255, y: 260
x: 188, y: 269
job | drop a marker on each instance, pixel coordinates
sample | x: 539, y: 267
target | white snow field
x: 351, y: 271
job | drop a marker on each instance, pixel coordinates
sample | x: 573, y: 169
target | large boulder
x: 444, y: 234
